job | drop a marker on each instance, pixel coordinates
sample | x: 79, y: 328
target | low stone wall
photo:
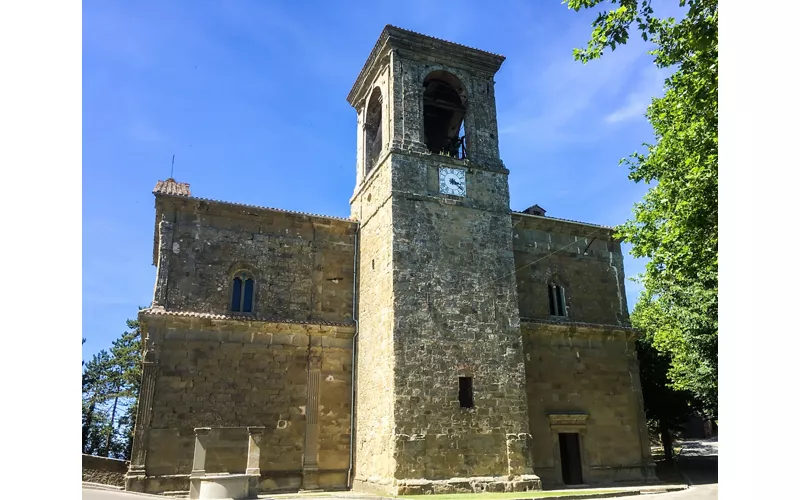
x: 104, y: 470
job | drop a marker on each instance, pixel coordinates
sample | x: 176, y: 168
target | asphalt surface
x: 697, y: 463
x: 93, y: 494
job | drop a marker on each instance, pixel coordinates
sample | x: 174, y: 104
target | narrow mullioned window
x: 243, y: 293
x: 558, y: 305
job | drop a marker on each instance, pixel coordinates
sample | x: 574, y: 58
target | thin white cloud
x: 650, y: 85
x: 143, y: 131
x: 555, y: 104
x: 634, y: 107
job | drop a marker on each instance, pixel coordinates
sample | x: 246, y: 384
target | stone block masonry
x: 231, y: 373
x: 591, y: 373
x: 493, y: 351
x: 582, y: 258
x: 302, y: 264
x: 104, y: 470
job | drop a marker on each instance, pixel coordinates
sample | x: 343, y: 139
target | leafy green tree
x: 126, y: 425
x: 127, y: 354
x: 111, y: 381
x: 667, y: 409
x: 96, y: 390
x: 675, y: 225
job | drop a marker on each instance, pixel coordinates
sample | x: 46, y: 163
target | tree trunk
x: 666, y: 442
x: 129, y: 436
x: 111, y: 426
x: 86, y: 426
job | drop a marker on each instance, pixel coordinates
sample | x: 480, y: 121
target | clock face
x: 452, y: 181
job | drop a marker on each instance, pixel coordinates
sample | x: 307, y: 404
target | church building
x: 432, y: 342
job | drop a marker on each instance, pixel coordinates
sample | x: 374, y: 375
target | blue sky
x: 250, y: 98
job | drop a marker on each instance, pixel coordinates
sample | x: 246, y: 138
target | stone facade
x: 465, y: 345
x: 102, y: 470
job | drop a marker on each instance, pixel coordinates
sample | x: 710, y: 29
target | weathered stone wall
x: 228, y: 373
x: 440, y: 301
x: 104, y: 470
x: 549, y: 250
x: 455, y: 315
x: 374, y: 443
x: 480, y: 122
x: 591, y: 370
x: 303, y: 264
x: 410, y: 58
x: 442, y: 283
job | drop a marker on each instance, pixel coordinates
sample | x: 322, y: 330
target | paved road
x: 92, y: 494
x: 697, y: 461
x: 698, y: 492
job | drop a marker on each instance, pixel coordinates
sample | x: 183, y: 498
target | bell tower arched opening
x: 373, y: 133
x: 444, y: 108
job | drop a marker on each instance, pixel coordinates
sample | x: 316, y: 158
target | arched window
x: 243, y: 292
x: 558, y: 302
x: 373, y: 133
x: 444, y: 108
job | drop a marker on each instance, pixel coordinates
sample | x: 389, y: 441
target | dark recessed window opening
x: 243, y: 293
x: 373, y: 134
x: 444, y: 109
x: 558, y: 306
x: 465, y: 392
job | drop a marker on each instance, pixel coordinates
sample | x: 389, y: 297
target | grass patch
x: 514, y: 495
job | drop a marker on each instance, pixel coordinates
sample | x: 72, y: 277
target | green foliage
x: 675, y: 225
x: 110, y: 383
x: 663, y: 405
x: 666, y: 408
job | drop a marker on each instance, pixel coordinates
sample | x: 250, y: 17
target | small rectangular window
x: 465, y: 392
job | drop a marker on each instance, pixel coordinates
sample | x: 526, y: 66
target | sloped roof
x: 172, y: 187
x: 158, y: 311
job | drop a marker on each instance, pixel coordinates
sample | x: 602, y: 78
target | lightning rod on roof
x: 172, y: 168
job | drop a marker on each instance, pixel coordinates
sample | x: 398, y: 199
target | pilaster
x: 311, y: 445
x: 134, y: 480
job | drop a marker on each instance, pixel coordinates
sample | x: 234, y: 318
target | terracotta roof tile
x: 171, y: 187
x: 158, y: 311
x: 423, y: 35
x: 547, y: 217
x: 244, y: 205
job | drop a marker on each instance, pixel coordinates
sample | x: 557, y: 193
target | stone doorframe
x: 570, y: 422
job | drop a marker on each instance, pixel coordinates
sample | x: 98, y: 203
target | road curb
x: 109, y: 487
x: 102, y: 486
x: 610, y: 494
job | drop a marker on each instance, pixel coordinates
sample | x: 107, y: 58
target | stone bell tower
x: 440, y: 383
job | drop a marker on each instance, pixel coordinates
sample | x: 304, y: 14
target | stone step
x: 176, y: 494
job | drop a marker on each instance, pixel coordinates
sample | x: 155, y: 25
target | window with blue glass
x: 243, y: 293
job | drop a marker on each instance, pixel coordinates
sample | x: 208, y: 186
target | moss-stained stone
x: 443, y: 287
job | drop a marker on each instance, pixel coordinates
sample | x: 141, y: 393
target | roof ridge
x: 172, y: 187
x: 547, y: 217
x: 160, y: 311
x: 260, y: 207
x: 445, y: 41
